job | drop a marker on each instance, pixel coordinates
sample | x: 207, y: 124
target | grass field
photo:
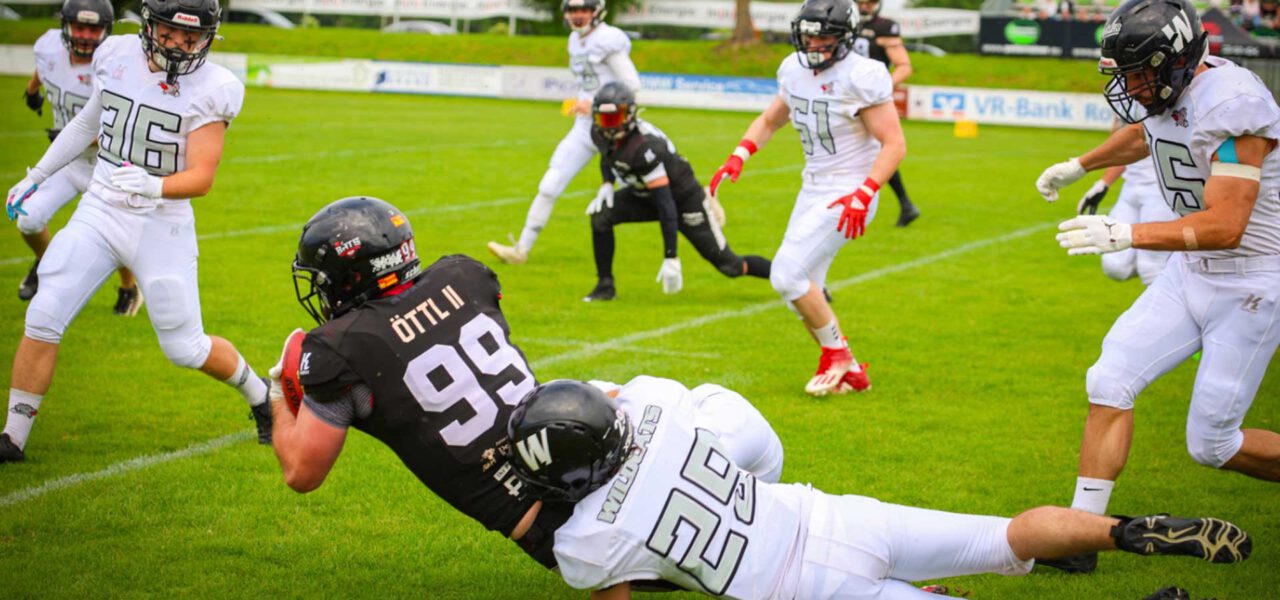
x: 654, y: 56
x: 977, y: 327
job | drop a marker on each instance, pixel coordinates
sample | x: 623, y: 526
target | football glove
x: 1057, y: 177
x: 670, y: 276
x: 53, y: 134
x: 133, y: 179
x: 35, y: 101
x: 603, y: 199
x: 17, y: 195
x: 732, y: 167
x: 1093, y: 234
x: 853, y: 220
x: 1092, y: 198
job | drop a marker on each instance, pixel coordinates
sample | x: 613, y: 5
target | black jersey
x: 444, y: 376
x: 646, y: 154
x: 869, y: 32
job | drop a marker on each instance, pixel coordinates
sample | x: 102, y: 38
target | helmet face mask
x: 177, y: 34
x: 85, y: 25
x: 582, y: 15
x: 352, y: 251
x: 1151, y: 50
x: 823, y: 32
x: 613, y: 111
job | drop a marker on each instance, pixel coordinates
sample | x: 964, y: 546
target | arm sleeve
x: 666, y: 204
x: 342, y: 409
x: 223, y: 103
x: 620, y: 63
x: 75, y: 138
x: 606, y: 172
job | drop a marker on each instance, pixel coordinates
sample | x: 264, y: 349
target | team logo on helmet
x: 1179, y: 31
x: 88, y: 16
x: 186, y: 19
x: 347, y: 248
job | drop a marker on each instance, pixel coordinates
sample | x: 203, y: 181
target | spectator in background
x: 1251, y: 14
x: 1268, y: 14
x: 1063, y: 10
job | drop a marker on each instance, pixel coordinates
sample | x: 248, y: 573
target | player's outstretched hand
x: 133, y: 179
x: 1092, y: 198
x: 603, y: 199
x: 670, y: 276
x: 1057, y: 177
x: 853, y: 219
x: 35, y: 101
x: 17, y: 195
x: 1094, y: 234
x: 732, y: 167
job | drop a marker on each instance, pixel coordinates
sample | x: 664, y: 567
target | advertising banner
x: 1030, y: 37
x: 1010, y: 107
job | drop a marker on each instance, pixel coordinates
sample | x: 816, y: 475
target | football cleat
x: 9, y: 451
x: 1172, y: 592
x: 832, y: 366
x: 854, y: 381
x: 1080, y: 563
x: 1212, y: 540
x: 128, y: 301
x: 261, y: 415
x: 909, y: 214
x: 511, y: 255
x: 943, y: 590
x: 30, y: 283
x: 603, y: 292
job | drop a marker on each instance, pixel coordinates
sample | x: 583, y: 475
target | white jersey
x: 1223, y: 102
x: 1141, y: 173
x: 67, y: 86
x: 587, y: 57
x: 145, y: 121
x: 824, y: 109
x: 681, y: 511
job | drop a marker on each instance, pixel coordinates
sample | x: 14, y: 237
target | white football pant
x: 811, y: 241
x: 56, y: 191
x: 571, y: 155
x: 1138, y: 204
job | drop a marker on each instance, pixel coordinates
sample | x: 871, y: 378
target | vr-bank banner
x: 1010, y: 107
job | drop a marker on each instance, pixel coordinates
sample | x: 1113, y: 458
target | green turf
x: 657, y: 56
x: 978, y: 342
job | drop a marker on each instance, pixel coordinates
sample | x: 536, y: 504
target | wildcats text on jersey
x: 626, y: 475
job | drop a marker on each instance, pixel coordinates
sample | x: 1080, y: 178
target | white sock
x: 248, y: 383
x: 539, y: 214
x: 829, y: 335
x: 23, y: 407
x: 1092, y: 495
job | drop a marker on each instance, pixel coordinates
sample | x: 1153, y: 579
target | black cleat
x: 27, y: 289
x: 1170, y: 593
x: 128, y: 301
x: 261, y: 414
x: 1080, y: 563
x: 604, y: 292
x: 908, y: 214
x: 1209, y: 539
x: 9, y: 451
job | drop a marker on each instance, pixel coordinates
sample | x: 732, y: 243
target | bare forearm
x: 887, y: 161
x: 1124, y: 147
x: 192, y: 183
x: 760, y: 131
x: 900, y: 74
x: 1199, y: 231
x: 34, y: 84
x: 286, y: 446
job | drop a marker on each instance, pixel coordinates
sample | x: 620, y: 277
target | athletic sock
x: 829, y: 336
x: 1092, y: 495
x: 539, y: 214
x: 248, y: 383
x: 23, y: 407
x: 758, y: 266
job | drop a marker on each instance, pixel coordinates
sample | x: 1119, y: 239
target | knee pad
x: 29, y: 225
x: 1105, y: 383
x: 41, y: 325
x: 788, y: 279
x: 730, y: 265
x: 601, y: 222
x: 553, y: 183
x: 1118, y: 266
x: 191, y: 354
x: 1213, y: 447
x: 176, y: 320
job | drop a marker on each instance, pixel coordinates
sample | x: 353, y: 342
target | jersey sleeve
x: 222, y: 103
x: 649, y: 162
x: 870, y: 85
x: 325, y: 375
x: 46, y: 46
x: 355, y: 402
x: 1246, y: 113
x: 615, y: 41
x: 887, y: 28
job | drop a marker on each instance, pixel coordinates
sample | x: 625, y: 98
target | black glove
x: 35, y: 101
x: 1092, y: 198
x: 53, y: 134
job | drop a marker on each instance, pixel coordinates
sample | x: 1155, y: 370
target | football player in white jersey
x: 842, y: 106
x: 599, y: 53
x: 660, y: 495
x: 159, y: 115
x: 1211, y: 128
x: 63, y: 58
x: 1140, y: 201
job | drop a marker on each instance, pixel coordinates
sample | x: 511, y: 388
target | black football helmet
x: 352, y: 251
x: 614, y: 111
x: 597, y: 15
x: 1154, y: 46
x: 96, y: 13
x: 200, y: 16
x: 836, y: 18
x: 570, y: 439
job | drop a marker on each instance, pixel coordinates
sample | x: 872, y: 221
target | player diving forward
x: 63, y: 66
x: 842, y: 106
x: 658, y: 497
x: 599, y: 53
x: 657, y: 185
x: 159, y: 115
x: 1211, y: 128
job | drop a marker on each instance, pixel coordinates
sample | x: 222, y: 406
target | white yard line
x: 581, y: 344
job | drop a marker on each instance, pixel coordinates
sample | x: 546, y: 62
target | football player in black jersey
x: 419, y: 358
x: 881, y: 39
x: 657, y: 184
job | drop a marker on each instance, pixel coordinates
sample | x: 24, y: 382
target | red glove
x: 853, y: 221
x: 733, y: 165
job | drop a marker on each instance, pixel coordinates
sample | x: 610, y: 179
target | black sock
x: 602, y: 245
x: 899, y: 190
x: 757, y: 266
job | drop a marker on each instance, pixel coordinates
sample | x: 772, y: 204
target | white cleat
x: 511, y: 255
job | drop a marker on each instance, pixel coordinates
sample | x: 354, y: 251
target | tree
x: 744, y: 32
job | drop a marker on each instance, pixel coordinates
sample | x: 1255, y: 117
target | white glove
x: 669, y: 276
x: 1057, y: 177
x: 1094, y: 234
x: 17, y: 195
x: 133, y: 179
x: 604, y: 198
